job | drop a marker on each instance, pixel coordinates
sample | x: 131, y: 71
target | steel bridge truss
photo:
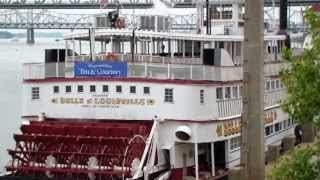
x: 19, y: 19
x: 74, y: 4
x: 45, y: 19
x: 267, y: 3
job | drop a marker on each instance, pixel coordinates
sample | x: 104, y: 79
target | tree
x: 302, y: 78
x: 301, y: 164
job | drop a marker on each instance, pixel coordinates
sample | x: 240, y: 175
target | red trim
x: 141, y: 120
x: 29, y: 117
x: 142, y: 80
x: 202, y: 121
x: 93, y: 120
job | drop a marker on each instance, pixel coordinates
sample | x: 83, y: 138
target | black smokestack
x: 283, y: 15
x: 284, y: 21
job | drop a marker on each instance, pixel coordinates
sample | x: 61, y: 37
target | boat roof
x: 103, y: 34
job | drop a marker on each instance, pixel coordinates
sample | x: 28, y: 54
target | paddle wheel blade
x: 79, y: 150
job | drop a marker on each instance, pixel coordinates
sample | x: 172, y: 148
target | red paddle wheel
x: 79, y: 150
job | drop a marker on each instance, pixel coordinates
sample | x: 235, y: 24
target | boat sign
x: 101, y: 69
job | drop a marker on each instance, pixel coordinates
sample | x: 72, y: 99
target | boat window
x: 227, y: 12
x: 132, y: 89
x: 238, y: 49
x: 227, y: 92
x: 68, y: 89
x: 105, y: 88
x: 119, y: 89
x: 93, y: 88
x: 35, y: 93
x: 55, y: 89
x: 219, y: 93
x: 146, y: 90
x: 241, y: 91
x: 289, y: 122
x: 281, y: 85
x: 235, y: 142
x: 285, y: 124
x: 216, y: 13
x: 278, y: 127
x: 80, y: 88
x: 278, y: 84
x: 268, y: 85
x: 269, y: 130
x: 272, y: 84
x: 201, y: 96
x: 168, y: 95
x: 235, y: 91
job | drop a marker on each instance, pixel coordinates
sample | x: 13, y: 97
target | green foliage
x: 302, y: 79
x: 301, y: 164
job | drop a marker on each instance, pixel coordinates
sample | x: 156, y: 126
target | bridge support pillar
x: 30, y: 36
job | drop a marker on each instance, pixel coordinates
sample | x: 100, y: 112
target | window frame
x: 202, y: 96
x: 227, y: 92
x: 219, y: 93
x: 133, y: 89
x: 144, y: 90
x: 92, y: 89
x: 118, y: 89
x: 35, y: 93
x: 80, y: 88
x: 235, y: 92
x: 56, y: 89
x: 235, y: 142
x: 67, y: 89
x: 168, y: 95
x: 105, y: 88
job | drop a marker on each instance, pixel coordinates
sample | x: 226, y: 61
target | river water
x: 12, y: 57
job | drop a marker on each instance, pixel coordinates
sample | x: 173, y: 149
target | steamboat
x: 145, y: 103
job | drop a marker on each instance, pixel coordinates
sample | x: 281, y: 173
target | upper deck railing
x: 140, y: 58
x: 140, y: 70
x: 157, y: 67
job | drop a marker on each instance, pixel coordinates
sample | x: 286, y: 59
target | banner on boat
x: 101, y: 69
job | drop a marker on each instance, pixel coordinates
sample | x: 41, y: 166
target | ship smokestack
x: 283, y: 16
x: 284, y: 21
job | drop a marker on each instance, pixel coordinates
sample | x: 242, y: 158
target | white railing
x: 274, y: 97
x: 139, y: 58
x: 145, y: 70
x: 33, y: 71
x: 229, y: 107
x: 272, y: 69
x: 233, y: 106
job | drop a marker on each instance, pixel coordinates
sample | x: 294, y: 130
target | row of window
x: 273, y: 84
x: 229, y: 92
x: 235, y: 142
x: 273, y: 128
x: 236, y: 91
x: 35, y: 93
x: 105, y: 89
x: 168, y: 92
